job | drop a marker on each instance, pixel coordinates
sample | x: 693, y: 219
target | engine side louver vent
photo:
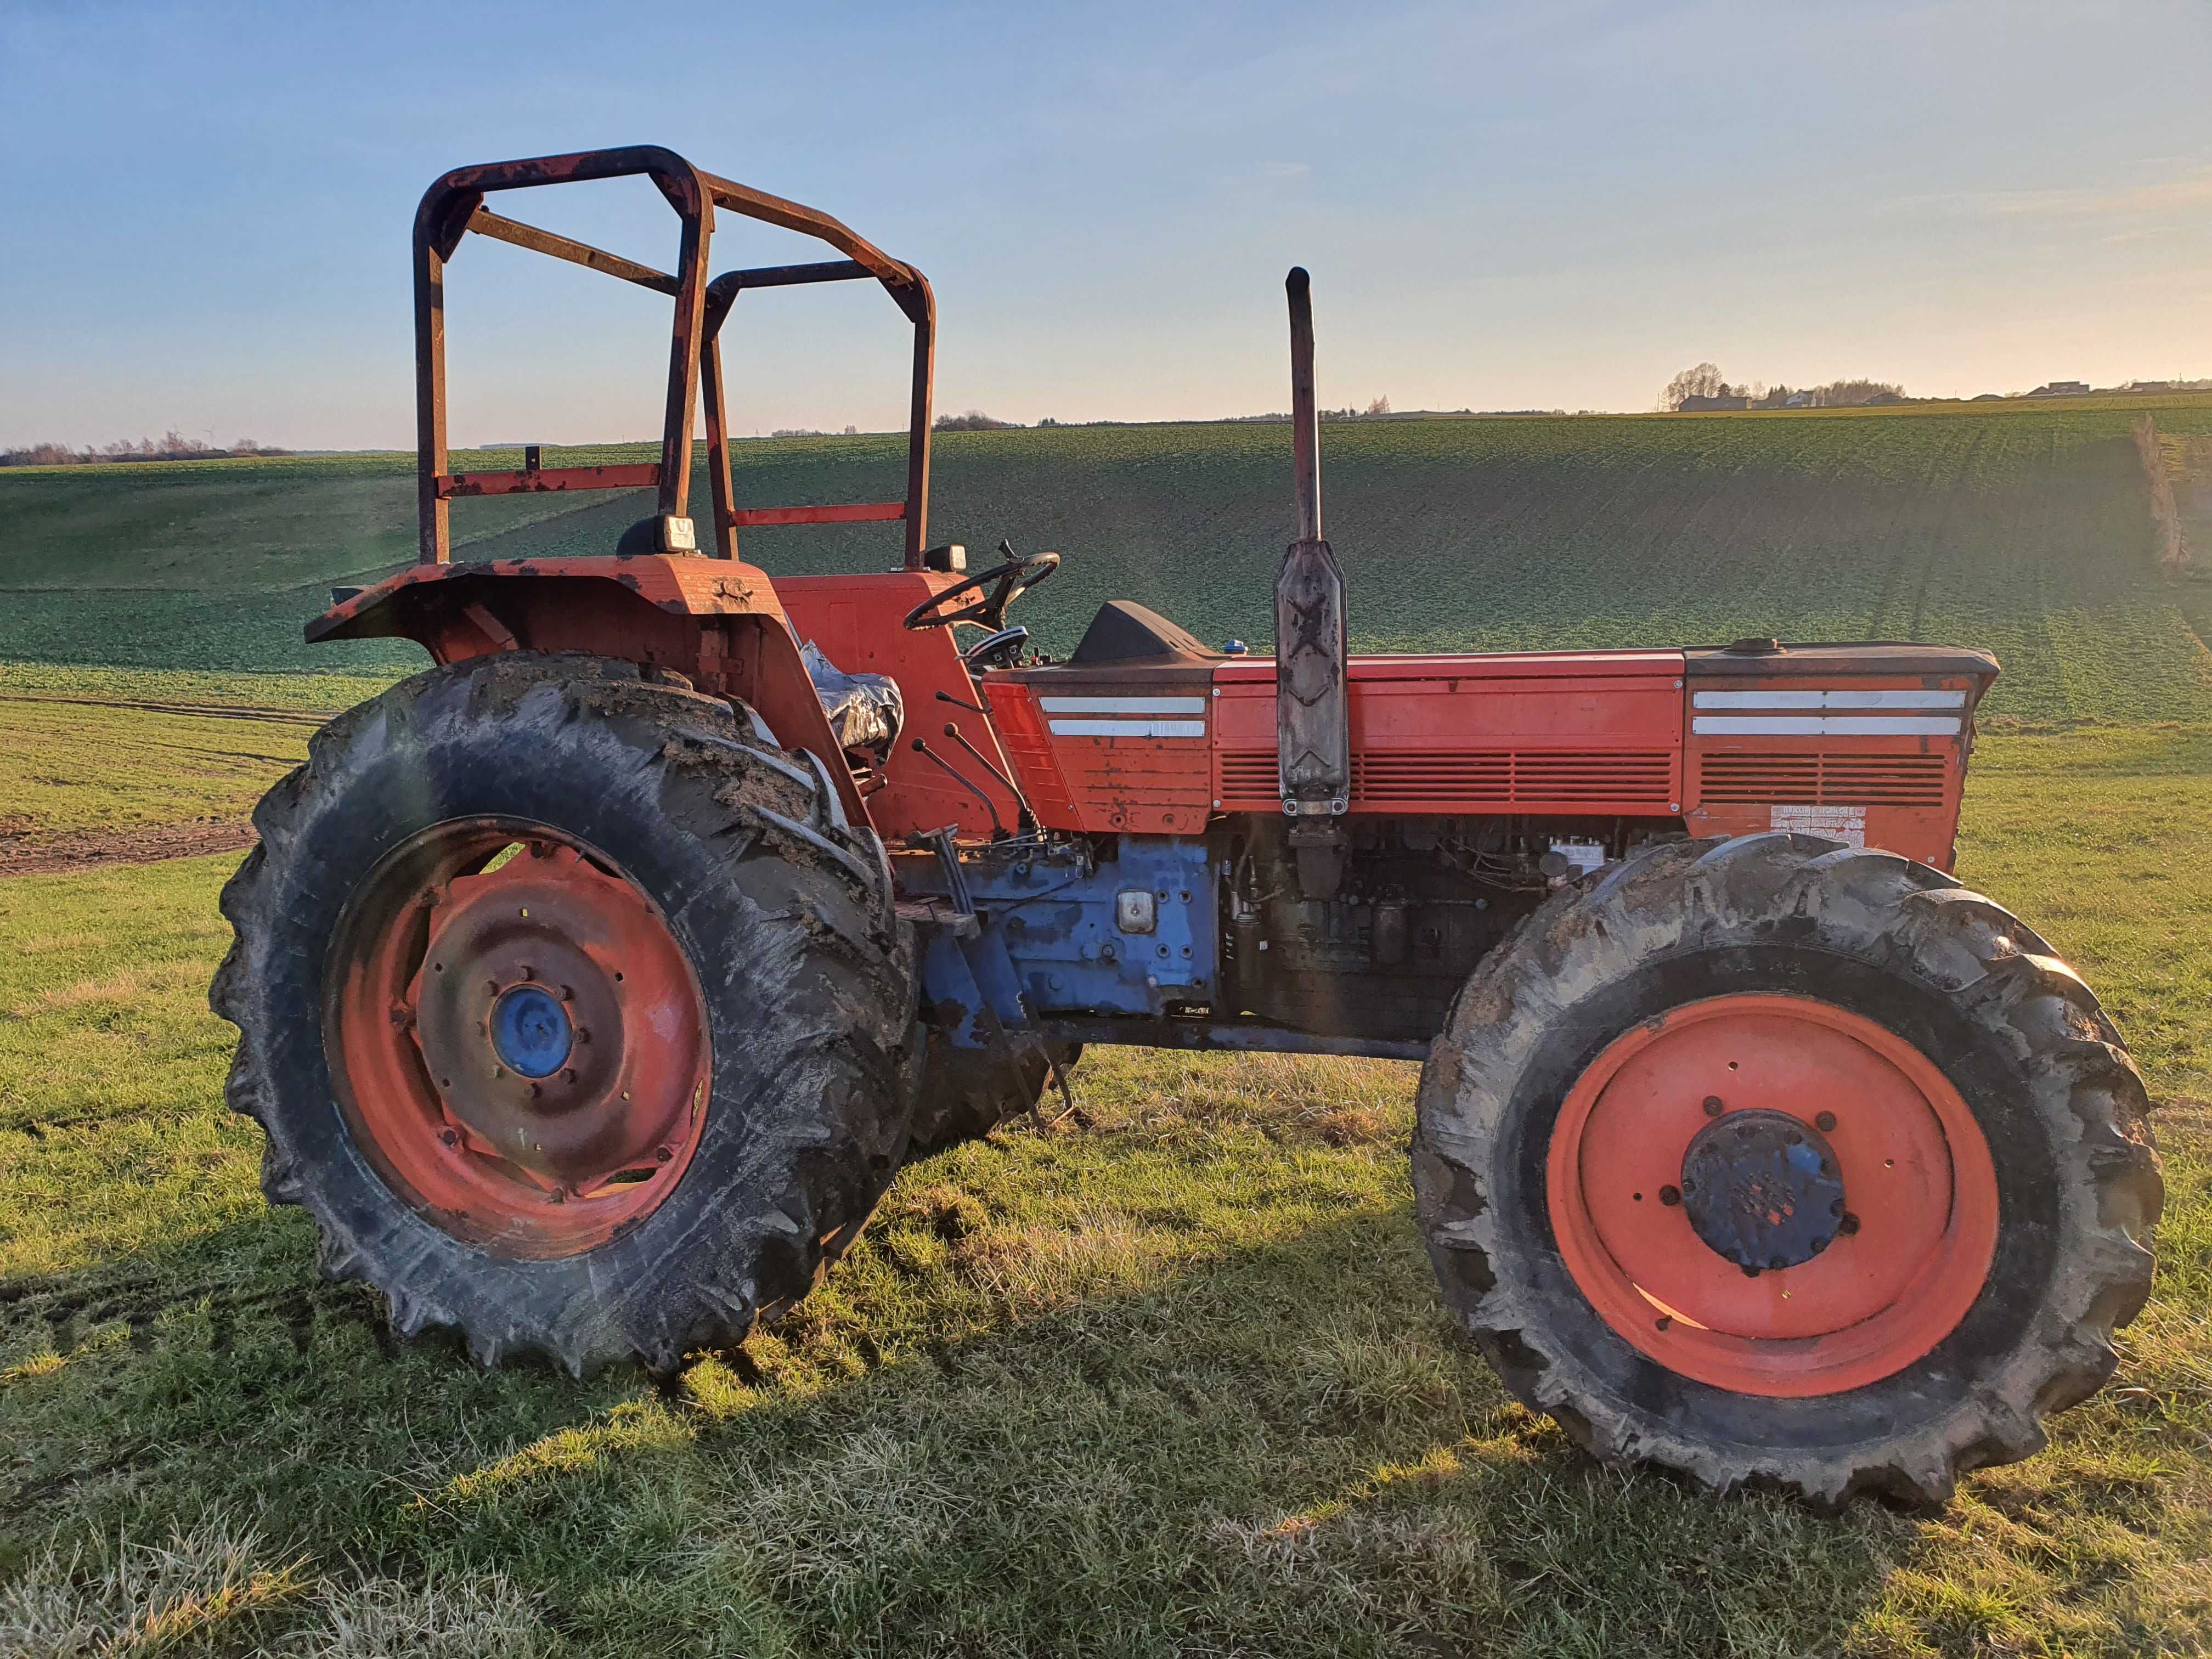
x: 1824, y: 779
x: 1437, y: 780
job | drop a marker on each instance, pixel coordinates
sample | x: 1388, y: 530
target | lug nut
x: 1670, y: 1195
x: 1824, y: 1121
x: 1713, y: 1107
x: 661, y: 1154
x: 569, y: 1075
x: 1849, y: 1224
x: 450, y: 1137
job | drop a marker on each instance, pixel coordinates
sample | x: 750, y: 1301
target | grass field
x: 2025, y: 528
x: 1176, y: 1381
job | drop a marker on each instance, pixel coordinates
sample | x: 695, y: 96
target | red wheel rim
x: 1913, y: 1240
x: 515, y: 1037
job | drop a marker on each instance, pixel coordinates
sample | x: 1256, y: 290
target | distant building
x: 1882, y: 398
x: 2062, y: 389
x: 1692, y: 405
x: 1796, y: 400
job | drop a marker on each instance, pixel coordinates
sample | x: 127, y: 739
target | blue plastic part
x: 530, y: 1032
x: 1054, y: 936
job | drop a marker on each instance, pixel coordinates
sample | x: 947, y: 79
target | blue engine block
x: 1056, y: 929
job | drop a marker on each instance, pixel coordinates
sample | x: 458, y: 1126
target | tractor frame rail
x: 454, y: 206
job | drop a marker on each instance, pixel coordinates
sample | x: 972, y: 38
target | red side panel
x: 1566, y: 732
x: 1022, y: 734
x: 857, y: 621
x: 1095, y: 755
x: 1877, y: 760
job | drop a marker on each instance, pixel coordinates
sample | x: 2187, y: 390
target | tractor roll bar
x: 453, y: 206
x: 915, y: 299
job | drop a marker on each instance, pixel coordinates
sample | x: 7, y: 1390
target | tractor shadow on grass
x: 1279, y: 1445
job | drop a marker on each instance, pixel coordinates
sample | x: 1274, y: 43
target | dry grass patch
x: 207, y: 1589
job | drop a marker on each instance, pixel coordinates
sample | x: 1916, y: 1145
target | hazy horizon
x: 1503, y: 210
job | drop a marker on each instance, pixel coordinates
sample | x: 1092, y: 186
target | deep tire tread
x: 837, y: 1140
x: 2085, y: 1097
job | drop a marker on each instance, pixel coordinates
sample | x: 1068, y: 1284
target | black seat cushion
x: 1124, y: 631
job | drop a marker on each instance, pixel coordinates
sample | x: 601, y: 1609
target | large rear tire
x: 1928, y: 1185
x: 574, y: 1011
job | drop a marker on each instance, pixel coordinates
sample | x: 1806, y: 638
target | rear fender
x: 716, y: 621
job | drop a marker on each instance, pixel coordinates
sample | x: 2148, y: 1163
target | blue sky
x: 203, y: 217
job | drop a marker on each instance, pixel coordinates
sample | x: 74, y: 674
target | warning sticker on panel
x: 1843, y: 823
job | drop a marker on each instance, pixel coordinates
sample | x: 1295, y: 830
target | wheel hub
x: 520, y: 1039
x: 1763, y: 1189
x: 529, y: 1031
x: 1696, y: 1181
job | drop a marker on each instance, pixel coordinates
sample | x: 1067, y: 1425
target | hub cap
x: 516, y: 1037
x: 1773, y: 1194
x: 1761, y: 1189
x: 529, y: 1031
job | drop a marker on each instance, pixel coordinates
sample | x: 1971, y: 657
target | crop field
x: 2027, y: 529
x: 1169, y: 1376
x: 1173, y: 1380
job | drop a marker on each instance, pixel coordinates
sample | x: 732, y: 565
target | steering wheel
x: 1015, y: 575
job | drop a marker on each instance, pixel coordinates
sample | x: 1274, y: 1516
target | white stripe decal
x: 1833, y: 726
x: 1757, y: 699
x: 1829, y: 699
x: 1123, y: 705
x: 1128, y: 728
x: 1876, y: 726
x: 1897, y: 700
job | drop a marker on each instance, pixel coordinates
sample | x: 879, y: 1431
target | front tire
x: 574, y: 1010
x: 1929, y: 1190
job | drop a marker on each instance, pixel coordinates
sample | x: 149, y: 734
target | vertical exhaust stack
x: 1313, y: 715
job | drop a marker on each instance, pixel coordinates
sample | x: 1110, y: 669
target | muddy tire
x: 673, y: 1040
x: 1958, y: 1179
x: 965, y: 1093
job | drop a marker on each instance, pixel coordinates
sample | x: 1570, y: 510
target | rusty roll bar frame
x: 453, y: 206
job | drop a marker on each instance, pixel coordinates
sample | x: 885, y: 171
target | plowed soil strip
x: 65, y: 855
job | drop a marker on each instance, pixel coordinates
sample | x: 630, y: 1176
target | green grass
x: 87, y: 749
x: 2025, y: 528
x: 1176, y: 1383
x: 65, y: 767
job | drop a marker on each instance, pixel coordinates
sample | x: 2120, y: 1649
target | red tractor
x: 592, y: 983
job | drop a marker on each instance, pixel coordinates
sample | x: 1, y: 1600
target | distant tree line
x: 171, y: 447
x: 974, y: 421
x: 1705, y: 385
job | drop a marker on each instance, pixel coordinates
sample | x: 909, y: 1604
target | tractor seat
x: 1124, y: 631
x: 865, y: 710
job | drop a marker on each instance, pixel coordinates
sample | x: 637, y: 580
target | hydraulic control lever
x: 998, y: 826
x: 1028, y: 819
